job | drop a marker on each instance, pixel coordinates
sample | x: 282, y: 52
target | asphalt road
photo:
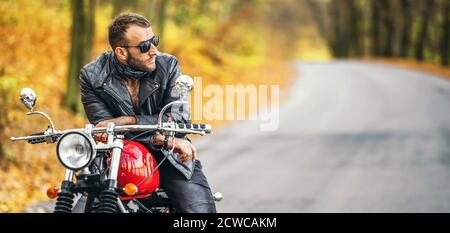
x: 353, y: 137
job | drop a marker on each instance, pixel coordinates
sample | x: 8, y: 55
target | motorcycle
x: 116, y: 176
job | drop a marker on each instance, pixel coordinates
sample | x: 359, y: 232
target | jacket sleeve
x: 95, y: 108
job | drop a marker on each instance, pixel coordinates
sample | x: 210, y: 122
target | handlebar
x: 183, y: 128
x: 42, y: 137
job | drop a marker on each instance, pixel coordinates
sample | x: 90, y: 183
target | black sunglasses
x: 145, y: 46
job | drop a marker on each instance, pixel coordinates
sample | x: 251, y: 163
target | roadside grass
x: 431, y: 68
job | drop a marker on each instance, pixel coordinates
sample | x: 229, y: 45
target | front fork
x: 64, y: 202
x: 109, y: 199
x: 115, y: 163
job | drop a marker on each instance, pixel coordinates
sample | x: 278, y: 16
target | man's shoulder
x: 96, y: 66
x: 166, y: 59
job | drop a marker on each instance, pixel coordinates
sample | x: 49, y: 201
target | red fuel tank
x: 136, y: 165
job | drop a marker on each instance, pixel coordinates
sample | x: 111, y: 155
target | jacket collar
x: 105, y: 70
x: 108, y: 78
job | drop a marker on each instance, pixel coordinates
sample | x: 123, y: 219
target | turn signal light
x: 130, y: 189
x: 52, y: 192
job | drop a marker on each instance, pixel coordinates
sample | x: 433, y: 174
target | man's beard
x: 137, y: 65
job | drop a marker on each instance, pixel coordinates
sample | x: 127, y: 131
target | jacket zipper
x: 149, y: 96
x: 152, y: 102
x: 115, y: 97
x: 152, y: 105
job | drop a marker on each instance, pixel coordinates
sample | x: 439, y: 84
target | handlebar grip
x: 42, y: 139
x: 197, y: 127
x: 37, y: 140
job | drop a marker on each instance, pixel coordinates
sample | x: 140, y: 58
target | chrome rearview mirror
x: 184, y: 85
x: 28, y: 98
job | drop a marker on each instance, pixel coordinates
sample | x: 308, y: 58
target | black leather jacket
x: 105, y: 96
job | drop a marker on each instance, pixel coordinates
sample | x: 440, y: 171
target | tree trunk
x: 339, y: 39
x: 423, y: 29
x: 405, y: 40
x: 2, y: 151
x: 148, y: 7
x: 376, y: 51
x: 82, y: 35
x: 162, y: 11
x: 318, y: 17
x: 355, y: 32
x: 90, y: 30
x: 445, y: 37
x: 388, y: 28
x: 118, y: 6
x: 335, y: 28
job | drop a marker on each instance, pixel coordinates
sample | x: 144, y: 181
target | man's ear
x: 121, y: 53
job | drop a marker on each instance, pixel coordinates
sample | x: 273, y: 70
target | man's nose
x: 153, y: 50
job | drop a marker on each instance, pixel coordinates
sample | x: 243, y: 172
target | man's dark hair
x: 120, y: 24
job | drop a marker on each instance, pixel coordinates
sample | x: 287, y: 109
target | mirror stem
x: 44, y: 115
x: 166, y: 107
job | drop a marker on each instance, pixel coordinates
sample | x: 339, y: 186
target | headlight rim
x: 93, y: 151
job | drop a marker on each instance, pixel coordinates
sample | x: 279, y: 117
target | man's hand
x: 123, y: 120
x: 182, y: 147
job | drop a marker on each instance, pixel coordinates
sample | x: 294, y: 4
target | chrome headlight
x: 75, y: 150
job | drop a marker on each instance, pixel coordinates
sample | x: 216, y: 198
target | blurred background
x: 44, y: 44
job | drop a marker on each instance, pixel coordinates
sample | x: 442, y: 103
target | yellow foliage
x: 35, y: 49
